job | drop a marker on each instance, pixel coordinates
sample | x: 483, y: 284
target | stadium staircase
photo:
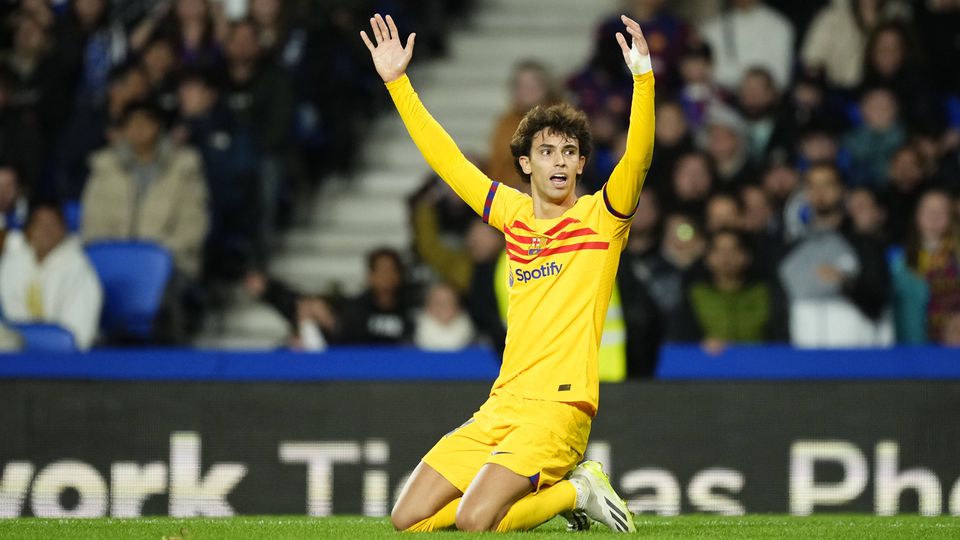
x: 466, y: 91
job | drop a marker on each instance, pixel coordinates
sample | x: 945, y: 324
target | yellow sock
x: 540, y: 507
x: 445, y: 518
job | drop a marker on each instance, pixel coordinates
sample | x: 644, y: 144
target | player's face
x: 553, y: 165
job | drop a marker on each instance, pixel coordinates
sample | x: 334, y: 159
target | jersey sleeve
x: 487, y: 198
x: 622, y: 190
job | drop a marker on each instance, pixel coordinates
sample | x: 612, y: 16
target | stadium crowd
x: 805, y: 186
x: 190, y: 123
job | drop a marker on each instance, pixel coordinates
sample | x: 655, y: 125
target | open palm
x: 635, y: 52
x: 390, y: 57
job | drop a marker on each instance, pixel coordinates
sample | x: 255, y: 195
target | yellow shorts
x: 541, y: 440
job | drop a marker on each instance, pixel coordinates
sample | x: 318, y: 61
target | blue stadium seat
x: 42, y: 337
x: 854, y: 117
x: 72, y: 213
x: 953, y: 111
x: 134, y: 276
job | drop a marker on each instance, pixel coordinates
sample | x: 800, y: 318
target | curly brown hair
x: 561, y: 119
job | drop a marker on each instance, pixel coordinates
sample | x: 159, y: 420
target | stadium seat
x: 42, y: 337
x: 134, y: 276
x: 854, y: 117
x: 72, y: 212
x: 953, y: 111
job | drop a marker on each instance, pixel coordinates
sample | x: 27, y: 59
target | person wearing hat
x: 726, y: 144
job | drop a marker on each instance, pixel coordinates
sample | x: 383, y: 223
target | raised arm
x: 391, y: 58
x: 622, y: 190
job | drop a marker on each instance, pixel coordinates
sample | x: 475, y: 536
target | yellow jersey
x: 561, y: 270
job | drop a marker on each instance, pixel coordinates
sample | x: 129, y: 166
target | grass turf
x: 298, y: 527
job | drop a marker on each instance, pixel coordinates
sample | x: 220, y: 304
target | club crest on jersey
x: 537, y: 245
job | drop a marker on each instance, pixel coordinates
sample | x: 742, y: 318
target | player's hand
x: 637, y: 55
x: 390, y: 57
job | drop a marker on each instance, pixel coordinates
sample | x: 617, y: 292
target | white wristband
x: 639, y: 63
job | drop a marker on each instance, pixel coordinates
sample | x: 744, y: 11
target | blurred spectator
x: 91, y: 126
x: 729, y: 307
x: 145, y: 187
x: 649, y: 288
x: 339, y: 93
x: 748, y: 34
x: 765, y: 231
x: 10, y: 340
x: 159, y: 62
x: 230, y: 167
x: 951, y: 332
x: 758, y: 213
x: 836, y: 279
x: 313, y: 322
x: 817, y: 144
x: 286, y: 42
x: 683, y: 242
x: 758, y: 99
x: 486, y: 248
x: 866, y: 215
x: 666, y: 35
x: 46, y: 277
x: 195, y: 27
x: 834, y: 44
x: 130, y: 86
x: 38, y: 10
x: 379, y: 315
x: 442, y: 325
x: 34, y: 87
x: 260, y: 98
x: 872, y: 145
x: 723, y: 212
x: 801, y: 14
x: 21, y: 142
x: 445, y: 254
x: 699, y: 90
x: 672, y: 139
x: 90, y: 45
x: 281, y: 40
x: 609, y: 142
x: 728, y: 147
x: 940, y: 21
x: 530, y: 85
x: 780, y: 181
x: 691, y: 185
x: 697, y: 12
x: 927, y: 276
x: 893, y: 60
x: 900, y: 196
x: 805, y: 109
x: 604, y: 85
x: 13, y: 202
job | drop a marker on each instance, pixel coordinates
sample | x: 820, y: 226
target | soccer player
x: 513, y: 465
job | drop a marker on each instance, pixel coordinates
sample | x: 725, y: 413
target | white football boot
x: 596, y: 498
x: 577, y: 520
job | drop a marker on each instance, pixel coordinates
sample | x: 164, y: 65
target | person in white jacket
x: 45, y: 276
x: 750, y: 34
x: 837, y: 37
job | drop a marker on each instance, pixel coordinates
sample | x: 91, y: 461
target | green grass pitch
x: 282, y: 527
